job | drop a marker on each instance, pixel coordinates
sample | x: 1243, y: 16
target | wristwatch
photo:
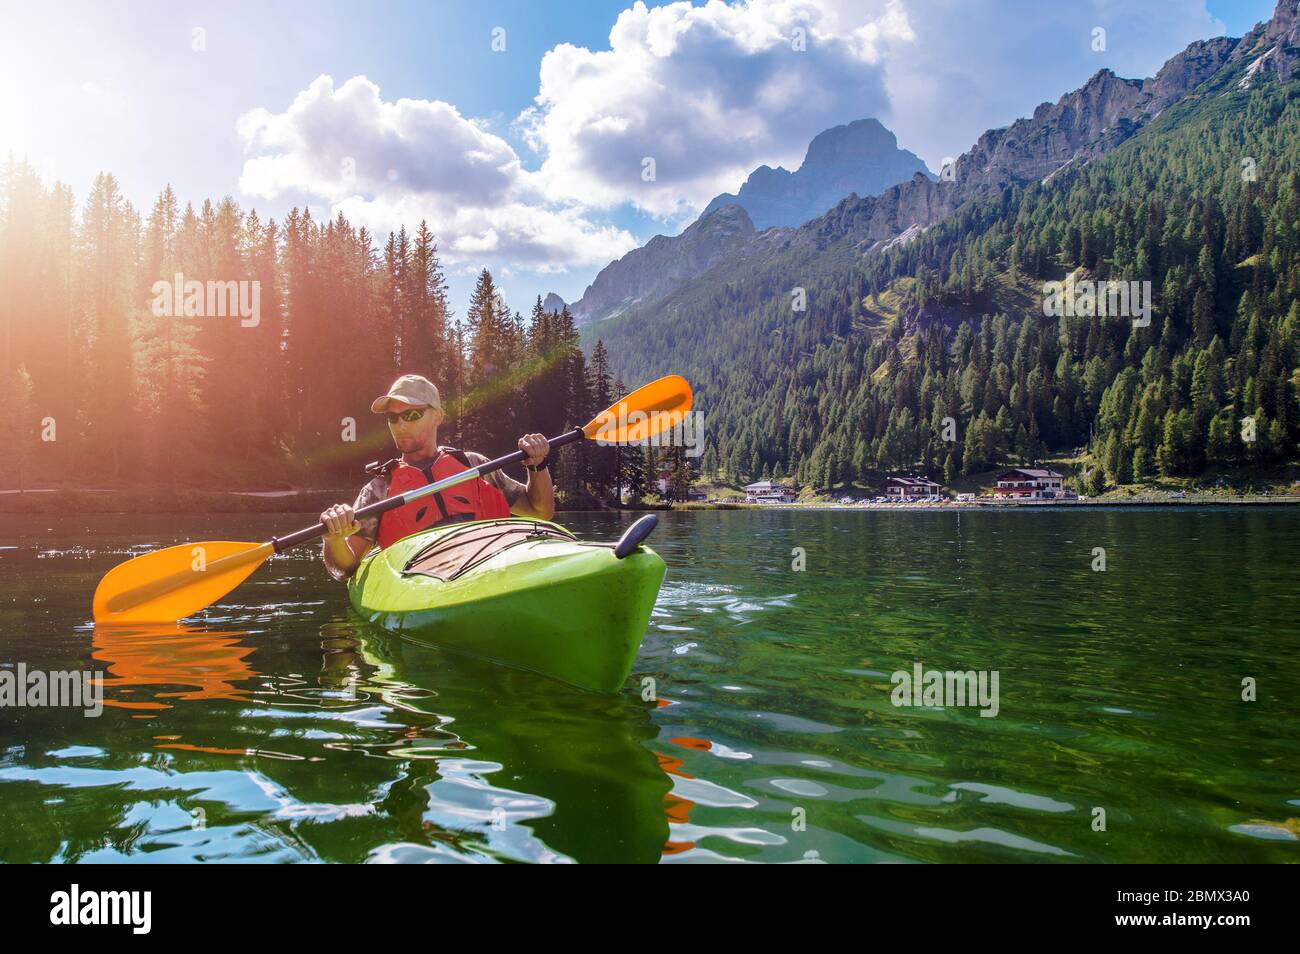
x: 540, y: 466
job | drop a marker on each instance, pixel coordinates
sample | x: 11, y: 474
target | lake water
x: 279, y: 727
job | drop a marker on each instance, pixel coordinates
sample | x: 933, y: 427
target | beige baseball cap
x: 413, y: 389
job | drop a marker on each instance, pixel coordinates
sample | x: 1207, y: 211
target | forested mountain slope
x: 926, y: 302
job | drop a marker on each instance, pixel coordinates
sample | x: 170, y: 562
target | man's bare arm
x: 538, y: 499
x: 343, y: 548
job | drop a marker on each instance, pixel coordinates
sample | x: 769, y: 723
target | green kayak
x: 522, y: 592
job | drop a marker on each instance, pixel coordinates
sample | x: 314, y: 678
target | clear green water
x: 279, y: 728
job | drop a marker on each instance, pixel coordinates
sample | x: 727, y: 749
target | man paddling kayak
x: 414, y: 412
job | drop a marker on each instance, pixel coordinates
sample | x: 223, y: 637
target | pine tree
x: 18, y: 426
x: 109, y: 247
x: 167, y: 363
x: 489, y: 405
x: 602, y: 462
x: 181, y: 397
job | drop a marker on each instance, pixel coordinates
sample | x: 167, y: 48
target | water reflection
x: 572, y: 765
x: 289, y: 731
x: 446, y: 756
x: 150, y: 667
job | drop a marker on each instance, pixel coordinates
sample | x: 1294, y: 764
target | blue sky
x: 543, y: 193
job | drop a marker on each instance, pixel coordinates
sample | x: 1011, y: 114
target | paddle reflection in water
x: 150, y: 666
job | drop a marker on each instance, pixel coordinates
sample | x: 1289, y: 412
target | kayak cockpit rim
x: 460, y: 549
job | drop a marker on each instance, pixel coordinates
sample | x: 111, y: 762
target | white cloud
x: 384, y: 164
x: 533, y: 236
x: 708, y: 92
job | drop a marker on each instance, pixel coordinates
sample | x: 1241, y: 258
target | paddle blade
x: 179, y: 581
x: 653, y: 409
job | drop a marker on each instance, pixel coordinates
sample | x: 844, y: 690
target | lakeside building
x: 663, y: 482
x: 1031, y: 483
x: 767, y: 491
x: 904, y: 487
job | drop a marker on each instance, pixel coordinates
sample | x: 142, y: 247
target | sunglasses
x: 410, y: 417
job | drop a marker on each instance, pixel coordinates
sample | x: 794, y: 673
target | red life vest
x: 475, y: 499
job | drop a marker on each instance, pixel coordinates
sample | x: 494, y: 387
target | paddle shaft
x: 391, y: 503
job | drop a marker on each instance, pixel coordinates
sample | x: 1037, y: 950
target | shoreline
x: 121, y: 501
x: 1245, y: 500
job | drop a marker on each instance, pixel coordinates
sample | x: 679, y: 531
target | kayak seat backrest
x: 457, y: 551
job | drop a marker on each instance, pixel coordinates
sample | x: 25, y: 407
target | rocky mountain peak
x: 849, y: 143
x: 1285, y: 25
x: 1082, y: 124
x: 860, y: 157
x: 1273, y: 47
x: 664, y: 263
